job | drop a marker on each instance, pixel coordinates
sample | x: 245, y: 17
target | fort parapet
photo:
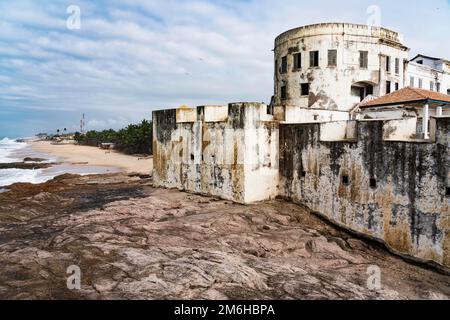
x: 225, y: 151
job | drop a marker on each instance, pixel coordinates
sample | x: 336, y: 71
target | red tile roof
x: 407, y: 95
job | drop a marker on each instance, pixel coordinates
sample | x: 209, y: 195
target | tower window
x: 447, y: 192
x: 373, y: 183
x: 388, y: 63
x: 314, y: 58
x: 284, y: 64
x: 305, y: 89
x: 332, y: 58
x: 363, y: 59
x: 297, y: 61
x: 388, y: 87
x: 283, y: 93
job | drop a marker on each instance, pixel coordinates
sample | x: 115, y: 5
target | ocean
x: 9, y: 149
x: 13, y: 151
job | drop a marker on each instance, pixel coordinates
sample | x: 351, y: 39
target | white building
x: 429, y: 73
x: 324, y: 71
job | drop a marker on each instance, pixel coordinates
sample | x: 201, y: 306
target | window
x: 276, y: 68
x: 303, y: 174
x: 448, y: 92
x: 388, y: 87
x: 388, y: 64
x: 314, y: 58
x: 373, y: 183
x: 431, y: 86
x: 305, y: 89
x: 345, y: 180
x: 420, y: 83
x: 316, y: 117
x: 396, y: 86
x: 284, y: 64
x: 297, y: 61
x: 420, y: 61
x: 363, y: 59
x: 397, y: 65
x: 447, y: 191
x: 438, y: 87
x: 332, y: 58
x: 411, y: 82
x: 283, y: 93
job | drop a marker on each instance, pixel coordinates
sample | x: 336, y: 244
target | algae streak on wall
x: 227, y: 151
x: 396, y: 192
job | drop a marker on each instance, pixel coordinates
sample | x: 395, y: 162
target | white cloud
x: 132, y: 56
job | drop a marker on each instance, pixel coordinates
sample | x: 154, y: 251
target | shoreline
x: 86, y: 156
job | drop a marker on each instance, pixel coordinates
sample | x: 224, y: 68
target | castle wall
x: 230, y: 152
x: 396, y: 192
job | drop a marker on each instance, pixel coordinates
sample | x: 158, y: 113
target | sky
x: 124, y: 58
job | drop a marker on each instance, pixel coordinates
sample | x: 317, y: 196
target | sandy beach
x: 75, y: 154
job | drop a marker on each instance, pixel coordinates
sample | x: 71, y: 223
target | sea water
x: 13, y: 151
x: 8, y: 147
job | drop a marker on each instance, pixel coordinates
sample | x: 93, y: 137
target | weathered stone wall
x: 234, y: 157
x: 391, y: 191
x: 330, y: 93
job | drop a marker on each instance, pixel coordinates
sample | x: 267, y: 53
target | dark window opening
x: 314, y: 58
x: 438, y: 87
x: 316, y: 117
x: 283, y: 93
x: 276, y: 68
x: 345, y: 180
x: 297, y: 61
x: 396, y: 86
x: 303, y: 174
x: 373, y: 183
x: 284, y: 64
x: 332, y: 58
x: 448, y: 92
x: 192, y: 157
x: 447, y: 192
x: 420, y: 61
x: 363, y: 59
x: 388, y: 87
x: 431, y: 85
x: 397, y: 66
x: 388, y: 64
x: 305, y: 89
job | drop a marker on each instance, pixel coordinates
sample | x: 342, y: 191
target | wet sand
x: 92, y: 156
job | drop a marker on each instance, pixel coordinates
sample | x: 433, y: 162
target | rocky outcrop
x: 25, y: 165
x: 131, y: 241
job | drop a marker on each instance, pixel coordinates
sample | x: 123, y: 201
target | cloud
x: 133, y: 56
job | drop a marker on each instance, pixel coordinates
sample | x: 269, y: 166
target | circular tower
x: 323, y: 71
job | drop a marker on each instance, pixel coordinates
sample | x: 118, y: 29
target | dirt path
x: 132, y: 241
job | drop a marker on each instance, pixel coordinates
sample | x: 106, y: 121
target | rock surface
x: 132, y: 241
